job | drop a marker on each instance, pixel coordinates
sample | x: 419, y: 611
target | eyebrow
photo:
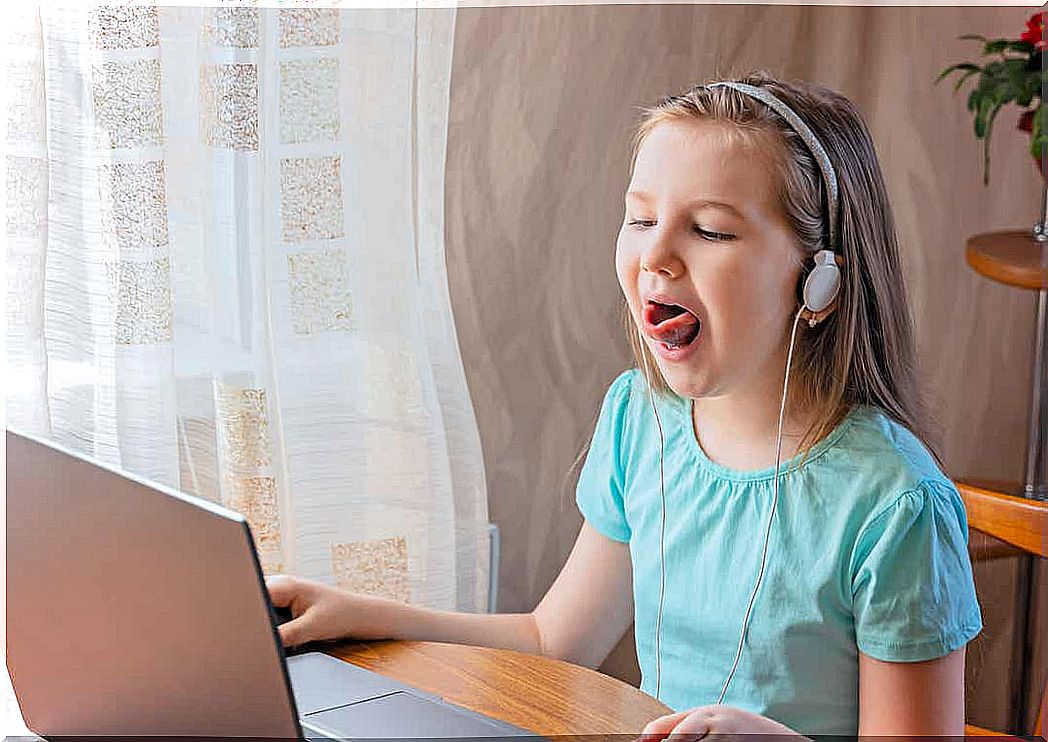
x: 701, y: 203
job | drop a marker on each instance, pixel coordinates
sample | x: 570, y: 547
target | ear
x: 814, y: 318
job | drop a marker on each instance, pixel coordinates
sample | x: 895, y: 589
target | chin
x: 684, y: 384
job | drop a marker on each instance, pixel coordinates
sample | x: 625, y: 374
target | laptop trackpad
x: 405, y: 715
x: 320, y: 682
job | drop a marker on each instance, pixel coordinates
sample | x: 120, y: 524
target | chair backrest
x: 1018, y: 521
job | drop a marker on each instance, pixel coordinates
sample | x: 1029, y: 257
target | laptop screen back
x: 132, y: 609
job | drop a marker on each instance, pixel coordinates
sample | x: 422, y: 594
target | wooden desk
x: 545, y: 696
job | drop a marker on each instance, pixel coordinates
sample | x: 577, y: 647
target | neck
x: 739, y: 430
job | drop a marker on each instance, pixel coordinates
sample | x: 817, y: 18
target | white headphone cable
x: 662, y: 534
x: 771, y: 516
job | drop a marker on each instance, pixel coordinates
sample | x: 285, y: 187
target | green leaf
x: 993, y: 85
x: 985, y: 103
x: 986, y: 163
x: 1037, y: 137
x: 1003, y: 81
x: 972, y: 37
x: 993, y: 74
x: 1017, y: 85
x: 974, y: 98
x: 1031, y: 87
x: 954, y: 67
x: 964, y: 77
x: 986, y: 144
x: 995, y: 47
x: 995, y: 108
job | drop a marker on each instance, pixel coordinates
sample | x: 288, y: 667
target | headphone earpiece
x: 823, y: 283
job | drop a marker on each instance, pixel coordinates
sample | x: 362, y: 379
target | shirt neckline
x: 683, y: 407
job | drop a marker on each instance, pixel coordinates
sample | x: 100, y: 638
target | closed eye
x: 714, y: 236
x: 706, y: 234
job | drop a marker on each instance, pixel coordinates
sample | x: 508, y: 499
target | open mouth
x: 671, y: 324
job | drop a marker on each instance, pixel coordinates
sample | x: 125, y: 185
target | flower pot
x: 1026, y: 124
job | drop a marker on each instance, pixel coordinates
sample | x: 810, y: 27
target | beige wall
x: 542, y: 104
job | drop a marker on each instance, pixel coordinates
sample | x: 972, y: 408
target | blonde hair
x: 864, y: 352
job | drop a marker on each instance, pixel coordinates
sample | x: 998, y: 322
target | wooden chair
x: 1019, y: 523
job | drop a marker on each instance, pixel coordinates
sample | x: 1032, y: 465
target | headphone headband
x: 828, y: 175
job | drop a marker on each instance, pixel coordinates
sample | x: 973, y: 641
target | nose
x: 660, y: 255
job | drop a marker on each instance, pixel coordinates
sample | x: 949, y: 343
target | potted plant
x: 1014, y: 73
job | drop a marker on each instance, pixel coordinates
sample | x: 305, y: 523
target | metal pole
x: 1021, y: 645
x: 1035, y: 482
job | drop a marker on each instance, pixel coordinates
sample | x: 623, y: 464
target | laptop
x: 135, y: 610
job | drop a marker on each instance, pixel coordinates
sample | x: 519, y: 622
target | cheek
x: 626, y: 269
x: 752, y: 296
x: 783, y: 290
x: 731, y: 287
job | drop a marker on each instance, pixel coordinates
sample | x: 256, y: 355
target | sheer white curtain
x: 226, y: 273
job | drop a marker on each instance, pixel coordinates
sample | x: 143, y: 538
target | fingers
x: 291, y: 633
x: 657, y: 729
x: 282, y: 590
x: 695, y: 725
x: 684, y: 726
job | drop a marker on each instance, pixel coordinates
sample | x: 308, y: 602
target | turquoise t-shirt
x: 868, y: 552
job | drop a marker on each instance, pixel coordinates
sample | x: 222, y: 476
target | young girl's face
x: 703, y: 230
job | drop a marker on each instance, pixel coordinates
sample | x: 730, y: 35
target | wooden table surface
x: 546, y: 696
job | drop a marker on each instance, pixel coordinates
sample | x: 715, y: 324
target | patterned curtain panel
x: 226, y: 273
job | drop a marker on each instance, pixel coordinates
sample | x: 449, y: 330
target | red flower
x: 1034, y: 32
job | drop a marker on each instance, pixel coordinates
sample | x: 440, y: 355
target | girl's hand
x: 715, y: 720
x: 318, y: 612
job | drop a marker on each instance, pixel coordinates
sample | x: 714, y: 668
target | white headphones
x: 822, y: 284
x: 820, y: 289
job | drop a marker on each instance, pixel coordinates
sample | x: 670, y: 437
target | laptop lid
x: 133, y: 609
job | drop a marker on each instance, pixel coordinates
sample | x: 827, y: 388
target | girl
x: 843, y: 603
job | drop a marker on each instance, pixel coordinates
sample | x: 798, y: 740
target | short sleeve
x: 601, y: 483
x: 913, y: 596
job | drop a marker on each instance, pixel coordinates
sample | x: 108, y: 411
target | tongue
x: 680, y: 329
